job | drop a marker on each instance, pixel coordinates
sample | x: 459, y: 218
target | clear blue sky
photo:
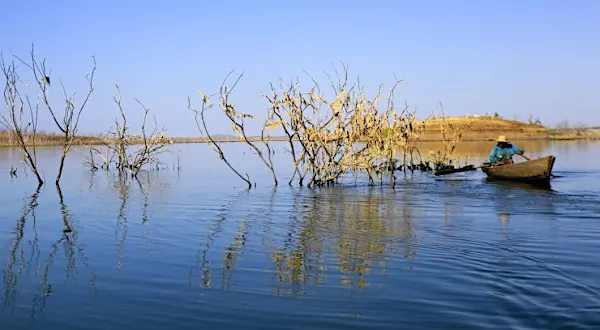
x: 509, y: 56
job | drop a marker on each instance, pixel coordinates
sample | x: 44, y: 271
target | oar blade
x: 455, y: 170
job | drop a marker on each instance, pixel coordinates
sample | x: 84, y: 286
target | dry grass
x: 55, y: 139
x: 486, y: 123
x: 487, y: 128
x: 8, y: 139
x: 574, y: 134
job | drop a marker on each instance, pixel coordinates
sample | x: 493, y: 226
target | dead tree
x: 330, y: 137
x: 237, y: 122
x: 452, y: 134
x: 21, y: 117
x: 69, y: 120
x: 202, y: 127
x: 152, y: 143
x: 347, y: 134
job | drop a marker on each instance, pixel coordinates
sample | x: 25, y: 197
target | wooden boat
x: 534, y: 170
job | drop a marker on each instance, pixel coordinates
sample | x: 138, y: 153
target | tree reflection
x: 231, y: 254
x: 299, y: 256
x: 540, y: 196
x: 19, y: 269
x: 335, y: 234
x: 16, y: 261
x: 358, y: 229
x: 122, y: 185
x: 214, y: 229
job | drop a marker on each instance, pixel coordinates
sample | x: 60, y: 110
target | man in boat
x: 503, y: 151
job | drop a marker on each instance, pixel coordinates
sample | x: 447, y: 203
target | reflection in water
x: 122, y: 185
x: 534, y: 187
x: 358, y: 228
x: 525, y: 253
x: 354, y: 231
x: 27, y: 264
x: 264, y: 212
x: 14, y: 275
x: 523, y: 197
x: 213, y: 231
x: 231, y: 254
x: 16, y: 261
x: 299, y: 257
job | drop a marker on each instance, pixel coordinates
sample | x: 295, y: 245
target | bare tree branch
x: 201, y: 124
x: 23, y: 128
x: 152, y: 143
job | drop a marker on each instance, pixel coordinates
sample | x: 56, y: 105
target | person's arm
x: 493, y: 157
x: 518, y: 150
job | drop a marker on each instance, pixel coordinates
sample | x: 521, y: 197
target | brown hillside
x: 485, y: 128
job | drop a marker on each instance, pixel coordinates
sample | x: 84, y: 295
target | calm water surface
x: 192, y: 249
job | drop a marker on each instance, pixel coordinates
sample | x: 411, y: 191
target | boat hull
x: 536, y: 170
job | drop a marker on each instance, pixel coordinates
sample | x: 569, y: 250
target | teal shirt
x: 503, y: 154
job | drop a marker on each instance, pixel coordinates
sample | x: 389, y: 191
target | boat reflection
x: 530, y: 186
x: 520, y: 198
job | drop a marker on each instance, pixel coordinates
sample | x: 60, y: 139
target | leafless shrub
x: 451, y: 137
x: 236, y: 118
x: 119, y: 142
x: 581, y: 129
x: 532, y: 120
x: 329, y: 139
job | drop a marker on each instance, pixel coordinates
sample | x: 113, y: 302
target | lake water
x: 191, y: 249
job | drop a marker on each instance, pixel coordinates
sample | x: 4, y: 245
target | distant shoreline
x: 480, y: 128
x: 43, y: 140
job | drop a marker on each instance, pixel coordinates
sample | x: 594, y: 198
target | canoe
x: 535, y: 170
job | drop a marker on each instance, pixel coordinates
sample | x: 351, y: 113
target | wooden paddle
x: 460, y: 169
x: 527, y: 158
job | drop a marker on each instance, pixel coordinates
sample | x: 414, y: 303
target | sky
x: 514, y: 57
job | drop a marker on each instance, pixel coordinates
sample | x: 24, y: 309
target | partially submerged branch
x: 236, y: 119
x: 68, y: 123
x: 21, y: 117
x: 328, y: 139
x: 451, y: 134
x: 202, y: 127
x: 119, y: 140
